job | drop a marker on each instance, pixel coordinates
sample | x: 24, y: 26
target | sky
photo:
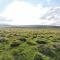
x: 28, y: 12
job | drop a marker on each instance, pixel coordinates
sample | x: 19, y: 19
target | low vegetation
x: 29, y: 44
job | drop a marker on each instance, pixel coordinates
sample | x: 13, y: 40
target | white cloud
x: 24, y: 13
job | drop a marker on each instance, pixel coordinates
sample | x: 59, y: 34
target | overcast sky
x: 26, y: 12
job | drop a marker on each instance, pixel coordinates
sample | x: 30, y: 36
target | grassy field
x: 29, y: 44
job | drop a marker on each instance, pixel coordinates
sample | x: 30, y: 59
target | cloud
x: 24, y: 13
x: 53, y: 14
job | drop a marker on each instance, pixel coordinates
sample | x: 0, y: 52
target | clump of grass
x: 15, y: 44
x: 23, y: 39
x: 29, y: 44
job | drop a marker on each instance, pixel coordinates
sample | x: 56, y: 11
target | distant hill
x: 28, y: 26
x: 38, y: 26
x: 5, y: 25
x: 32, y: 26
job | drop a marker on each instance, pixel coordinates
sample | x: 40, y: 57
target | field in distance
x: 29, y: 43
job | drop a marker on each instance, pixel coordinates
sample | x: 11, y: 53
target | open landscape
x: 29, y: 43
x: 29, y: 29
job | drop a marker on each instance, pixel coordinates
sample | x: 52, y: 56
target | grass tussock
x: 29, y: 44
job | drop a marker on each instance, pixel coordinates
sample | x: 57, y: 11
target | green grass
x: 29, y: 44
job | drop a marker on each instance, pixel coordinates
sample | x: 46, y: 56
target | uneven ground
x: 29, y: 44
